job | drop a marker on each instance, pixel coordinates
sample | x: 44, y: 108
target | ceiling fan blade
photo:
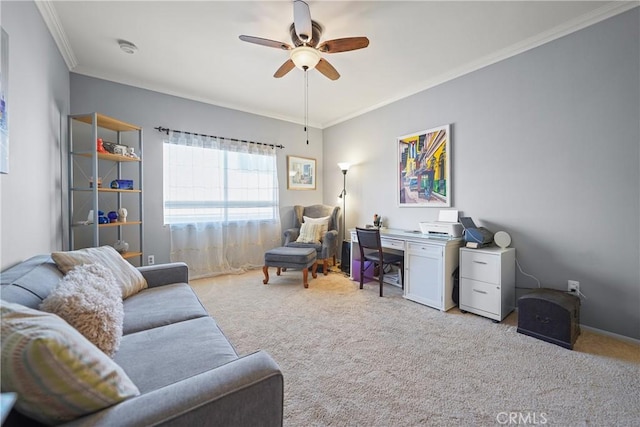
x: 327, y: 69
x: 266, y: 42
x: 343, y: 45
x: 302, y: 20
x: 284, y: 69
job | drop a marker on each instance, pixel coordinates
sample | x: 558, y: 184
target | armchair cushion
x: 322, y: 222
x: 310, y: 233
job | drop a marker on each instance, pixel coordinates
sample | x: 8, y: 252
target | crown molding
x: 607, y: 11
x: 50, y: 17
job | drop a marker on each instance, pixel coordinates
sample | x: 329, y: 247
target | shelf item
x: 127, y: 255
x: 109, y: 156
x: 120, y: 224
x: 487, y: 281
x: 88, y: 133
x: 111, y: 224
x: 106, y: 190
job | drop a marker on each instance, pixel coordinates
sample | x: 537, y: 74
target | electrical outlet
x: 573, y: 287
x: 151, y: 260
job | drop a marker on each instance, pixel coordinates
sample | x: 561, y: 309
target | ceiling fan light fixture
x: 305, y: 57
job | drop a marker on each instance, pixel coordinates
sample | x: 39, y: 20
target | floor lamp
x: 346, y: 248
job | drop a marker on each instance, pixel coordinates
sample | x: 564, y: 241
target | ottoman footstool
x: 286, y: 257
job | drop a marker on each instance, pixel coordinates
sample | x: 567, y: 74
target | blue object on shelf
x: 122, y: 184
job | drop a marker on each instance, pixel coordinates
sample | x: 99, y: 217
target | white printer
x: 447, y: 225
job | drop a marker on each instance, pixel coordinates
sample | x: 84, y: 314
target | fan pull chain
x: 306, y: 103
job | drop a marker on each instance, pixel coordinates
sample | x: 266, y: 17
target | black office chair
x: 371, y: 250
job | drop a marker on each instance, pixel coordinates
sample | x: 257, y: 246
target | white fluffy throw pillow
x: 90, y: 300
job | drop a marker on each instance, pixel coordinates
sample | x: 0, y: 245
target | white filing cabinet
x: 428, y: 272
x: 487, y: 281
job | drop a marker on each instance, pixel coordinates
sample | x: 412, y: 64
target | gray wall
x: 31, y: 205
x: 545, y: 146
x: 150, y: 109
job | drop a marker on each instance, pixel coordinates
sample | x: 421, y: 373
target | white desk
x: 429, y: 263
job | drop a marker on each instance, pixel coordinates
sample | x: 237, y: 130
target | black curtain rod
x: 167, y: 130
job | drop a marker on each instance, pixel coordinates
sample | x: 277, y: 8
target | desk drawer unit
x: 392, y: 243
x: 487, y: 281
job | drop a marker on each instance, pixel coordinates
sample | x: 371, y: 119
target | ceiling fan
x: 306, y: 52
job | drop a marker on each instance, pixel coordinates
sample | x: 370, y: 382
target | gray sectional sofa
x: 187, y: 372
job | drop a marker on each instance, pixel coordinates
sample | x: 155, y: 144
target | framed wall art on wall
x: 301, y: 173
x: 4, y: 102
x: 424, y: 168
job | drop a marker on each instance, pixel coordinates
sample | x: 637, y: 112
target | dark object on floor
x: 550, y: 315
x: 455, y: 294
x: 345, y: 266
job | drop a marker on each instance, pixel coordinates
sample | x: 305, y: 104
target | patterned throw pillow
x: 309, y: 233
x: 127, y: 276
x: 324, y: 223
x: 56, y: 372
x: 89, y: 299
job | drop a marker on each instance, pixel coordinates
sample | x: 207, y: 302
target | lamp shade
x: 344, y: 166
x: 305, y: 57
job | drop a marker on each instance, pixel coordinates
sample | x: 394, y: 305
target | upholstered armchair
x: 327, y: 246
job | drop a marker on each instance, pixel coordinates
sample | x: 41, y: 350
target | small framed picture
x: 301, y: 173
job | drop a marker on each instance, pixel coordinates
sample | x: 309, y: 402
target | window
x: 218, y: 180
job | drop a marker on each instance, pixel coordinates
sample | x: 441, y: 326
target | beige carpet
x: 351, y: 358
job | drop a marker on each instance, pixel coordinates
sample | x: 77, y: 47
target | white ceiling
x: 191, y: 48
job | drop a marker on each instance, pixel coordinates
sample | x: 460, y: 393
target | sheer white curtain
x: 221, y: 203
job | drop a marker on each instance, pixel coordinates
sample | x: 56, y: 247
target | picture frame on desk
x: 424, y: 168
x: 301, y: 173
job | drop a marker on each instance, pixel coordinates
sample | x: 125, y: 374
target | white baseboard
x: 611, y: 334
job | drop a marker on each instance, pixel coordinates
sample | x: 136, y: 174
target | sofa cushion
x: 30, y: 282
x: 89, y: 299
x: 127, y: 276
x: 58, y: 374
x: 164, y: 305
x: 161, y: 356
